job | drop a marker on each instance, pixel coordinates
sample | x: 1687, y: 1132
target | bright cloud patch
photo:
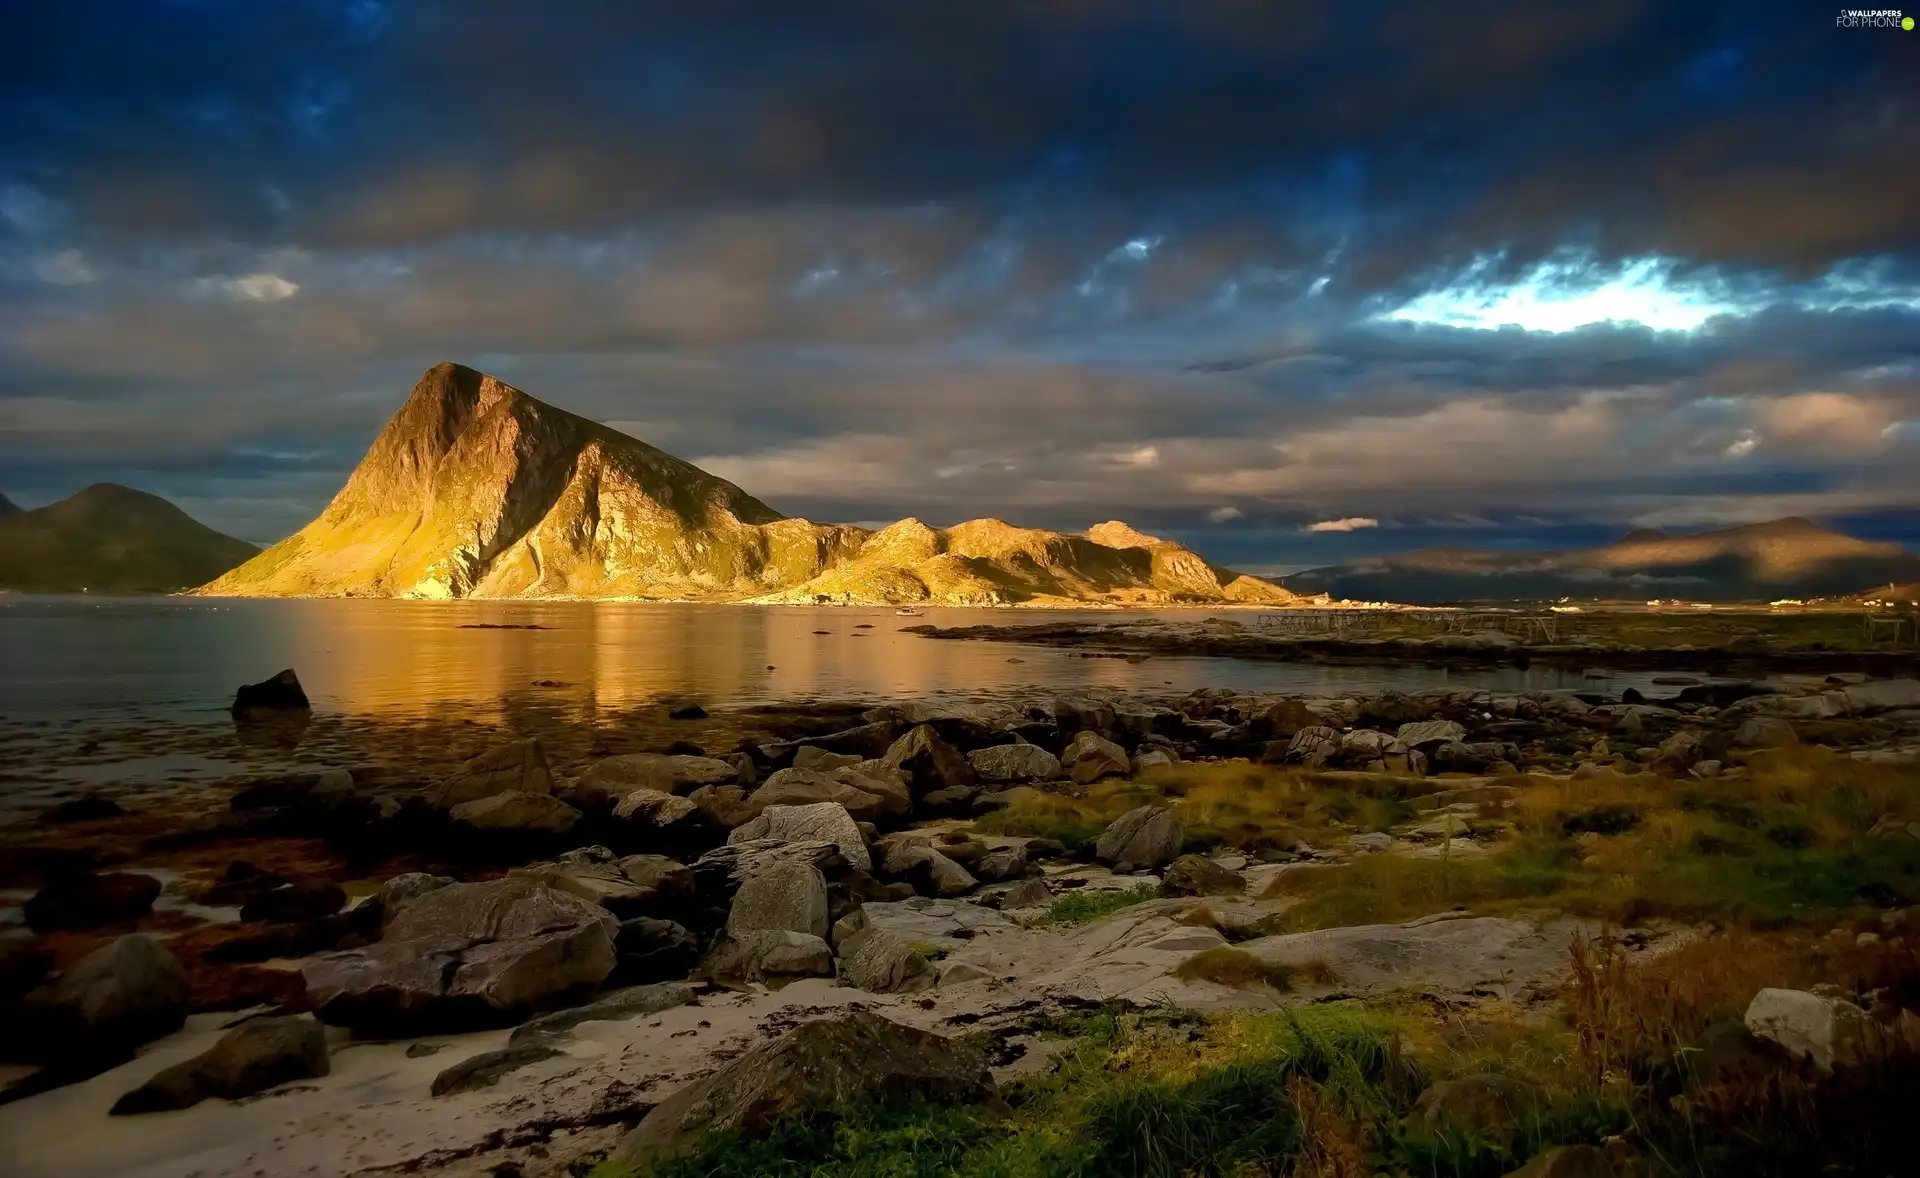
x: 263, y: 288
x: 1571, y: 290
x: 1352, y: 523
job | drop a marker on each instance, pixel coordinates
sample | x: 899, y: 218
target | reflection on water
x: 181, y: 658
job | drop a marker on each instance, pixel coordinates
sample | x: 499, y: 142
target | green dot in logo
x: 1906, y: 22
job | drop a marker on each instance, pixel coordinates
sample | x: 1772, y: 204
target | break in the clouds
x: 1286, y: 280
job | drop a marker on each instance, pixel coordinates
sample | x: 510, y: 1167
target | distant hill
x: 8, y: 507
x: 989, y: 562
x: 475, y: 489
x: 1754, y: 562
x: 111, y: 539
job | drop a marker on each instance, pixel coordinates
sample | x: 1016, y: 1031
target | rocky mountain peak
x: 1115, y: 534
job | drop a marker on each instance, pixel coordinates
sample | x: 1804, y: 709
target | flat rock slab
x: 1466, y: 956
x: 939, y: 922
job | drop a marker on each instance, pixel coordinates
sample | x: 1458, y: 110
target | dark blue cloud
x: 1230, y: 267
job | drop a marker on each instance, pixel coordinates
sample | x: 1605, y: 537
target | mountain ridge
x: 106, y: 538
x: 477, y: 489
x: 1792, y: 555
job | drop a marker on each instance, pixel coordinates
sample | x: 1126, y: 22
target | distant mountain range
x: 475, y: 489
x: 1755, y: 562
x: 110, y: 539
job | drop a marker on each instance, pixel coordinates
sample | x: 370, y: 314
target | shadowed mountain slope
x: 111, y: 539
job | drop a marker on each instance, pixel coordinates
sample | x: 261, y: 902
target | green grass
x: 1081, y: 907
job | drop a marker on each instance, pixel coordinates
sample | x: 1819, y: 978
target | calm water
x: 151, y: 659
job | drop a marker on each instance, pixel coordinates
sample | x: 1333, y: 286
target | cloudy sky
x: 1292, y: 282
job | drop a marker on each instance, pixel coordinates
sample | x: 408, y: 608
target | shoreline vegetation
x: 1223, y: 933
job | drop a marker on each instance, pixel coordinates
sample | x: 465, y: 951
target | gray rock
x: 820, y: 821
x: 464, y: 956
x: 819, y: 1067
x: 1373, y: 840
x: 1449, y: 956
x: 722, y: 870
x: 520, y: 766
x: 867, y: 799
x: 485, y: 1069
x: 764, y: 954
x: 652, y: 807
x: 668, y: 773
x: 1421, y: 733
x: 952, y: 972
x: 618, y: 1007
x: 786, y: 897
x: 117, y: 997
x: 1090, y: 756
x: 878, y: 961
x: 1004, y: 864
x: 822, y: 761
x: 1014, y: 762
x: 930, y: 872
x: 516, y: 810
x: 403, y: 890
x: 653, y: 950
x: 928, y: 761
x: 1827, y: 1030
x: 1028, y: 893
x: 254, y: 1056
x: 1197, y: 875
x: 1142, y: 839
x: 1881, y: 695
x: 1073, y: 714
x: 1313, y: 746
x: 1155, y: 758
x: 1765, y: 732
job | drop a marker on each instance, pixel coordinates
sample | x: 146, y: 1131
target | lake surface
x: 151, y: 660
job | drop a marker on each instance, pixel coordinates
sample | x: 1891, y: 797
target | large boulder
x: 1014, y: 762
x: 719, y: 873
x: 819, y: 1067
x: 81, y: 900
x: 1765, y: 732
x: 876, y: 960
x: 1284, y: 717
x: 655, y: 809
x: 821, y: 821
x: 1076, y: 714
x: 928, y: 762
x: 1313, y: 746
x: 1142, y: 839
x: 625, y: 886
x: 24, y: 963
x: 930, y: 872
x: 820, y: 760
x: 402, y: 890
x: 465, y: 956
x: 671, y: 774
x: 1003, y: 864
x: 1881, y: 695
x: 1422, y: 733
x: 117, y: 997
x: 786, y: 897
x: 1090, y: 756
x: 270, y: 698
x: 1826, y: 1030
x: 1197, y: 875
x: 517, y: 811
x: 254, y: 1056
x: 520, y: 766
x: 866, y: 798
x: 761, y: 955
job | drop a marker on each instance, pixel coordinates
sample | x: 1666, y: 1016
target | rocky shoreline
x: 1752, y: 656
x: 509, y: 959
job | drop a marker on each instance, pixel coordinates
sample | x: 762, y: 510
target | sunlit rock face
x: 475, y: 489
